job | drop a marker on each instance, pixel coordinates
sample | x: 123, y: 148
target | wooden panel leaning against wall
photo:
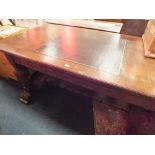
x: 149, y: 39
x: 6, y: 69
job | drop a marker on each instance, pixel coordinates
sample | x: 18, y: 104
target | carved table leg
x: 110, y: 116
x: 22, y: 74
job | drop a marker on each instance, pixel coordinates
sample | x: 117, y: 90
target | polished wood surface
x: 128, y: 76
x: 93, y: 50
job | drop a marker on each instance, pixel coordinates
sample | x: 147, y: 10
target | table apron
x: 123, y: 94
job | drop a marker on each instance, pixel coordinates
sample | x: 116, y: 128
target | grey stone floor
x: 52, y: 111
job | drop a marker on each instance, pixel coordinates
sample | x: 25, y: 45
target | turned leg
x: 110, y: 116
x: 22, y: 75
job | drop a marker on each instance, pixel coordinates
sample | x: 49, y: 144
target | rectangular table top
x: 103, y: 52
x: 108, y: 58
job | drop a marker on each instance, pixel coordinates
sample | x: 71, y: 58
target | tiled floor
x: 52, y: 111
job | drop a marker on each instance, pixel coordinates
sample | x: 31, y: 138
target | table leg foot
x: 25, y: 97
x: 22, y: 74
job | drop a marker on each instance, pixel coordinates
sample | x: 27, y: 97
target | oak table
x: 110, y: 65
